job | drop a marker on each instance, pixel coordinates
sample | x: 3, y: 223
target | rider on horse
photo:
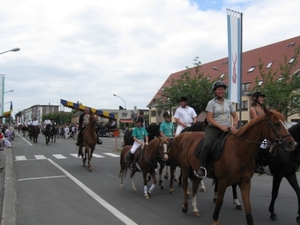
x: 167, y: 127
x: 139, y: 134
x: 218, y: 111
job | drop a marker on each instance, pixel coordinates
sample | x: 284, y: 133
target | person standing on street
x: 184, y: 116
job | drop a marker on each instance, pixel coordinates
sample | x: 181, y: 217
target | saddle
x: 216, y: 150
x: 138, y: 155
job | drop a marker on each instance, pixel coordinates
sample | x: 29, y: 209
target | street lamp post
x: 120, y: 98
x: 11, y: 50
x: 216, y: 68
x: 8, y: 91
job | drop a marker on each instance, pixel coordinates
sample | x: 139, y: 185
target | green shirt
x: 167, y: 128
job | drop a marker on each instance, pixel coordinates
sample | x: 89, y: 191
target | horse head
x: 93, y: 118
x: 160, y: 145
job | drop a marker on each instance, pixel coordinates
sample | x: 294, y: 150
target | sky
x: 86, y: 51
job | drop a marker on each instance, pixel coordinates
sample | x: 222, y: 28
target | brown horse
x: 155, y: 151
x: 89, y: 142
x: 236, y: 165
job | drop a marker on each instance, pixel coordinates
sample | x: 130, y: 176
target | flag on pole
x: 11, y: 106
x: 234, y: 30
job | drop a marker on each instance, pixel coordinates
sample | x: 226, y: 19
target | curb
x: 9, y: 197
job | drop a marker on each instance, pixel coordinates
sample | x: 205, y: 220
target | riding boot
x: 202, y: 172
x: 78, y: 139
x: 132, y: 165
x: 259, y: 159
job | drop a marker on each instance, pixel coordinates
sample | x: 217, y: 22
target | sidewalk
x: 8, y: 195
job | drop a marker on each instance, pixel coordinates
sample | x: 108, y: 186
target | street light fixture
x: 8, y: 91
x: 11, y: 50
x: 222, y: 73
x: 120, y: 98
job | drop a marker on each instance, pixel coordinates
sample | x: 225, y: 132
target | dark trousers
x: 211, y: 133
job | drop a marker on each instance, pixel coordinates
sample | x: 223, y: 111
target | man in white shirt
x: 184, y: 115
x: 34, y: 122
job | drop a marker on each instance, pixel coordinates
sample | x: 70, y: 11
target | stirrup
x: 201, y: 176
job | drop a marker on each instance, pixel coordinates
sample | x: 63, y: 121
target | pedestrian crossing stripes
x: 60, y: 156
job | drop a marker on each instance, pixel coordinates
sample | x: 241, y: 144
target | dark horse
x: 89, y: 142
x: 236, y: 164
x: 48, y: 133
x: 156, y: 150
x: 285, y: 164
x: 152, y: 129
x: 54, y: 132
x: 34, y: 133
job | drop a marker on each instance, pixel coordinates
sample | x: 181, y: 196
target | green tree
x: 281, y: 86
x: 59, y: 116
x: 192, y: 84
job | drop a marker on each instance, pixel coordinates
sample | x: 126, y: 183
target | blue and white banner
x: 234, y: 30
x: 1, y: 94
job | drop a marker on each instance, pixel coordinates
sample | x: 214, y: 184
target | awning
x: 125, y: 121
x: 81, y: 107
x: 6, y: 114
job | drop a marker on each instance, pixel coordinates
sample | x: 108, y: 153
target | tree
x: 281, y: 86
x: 59, y: 116
x: 192, y: 84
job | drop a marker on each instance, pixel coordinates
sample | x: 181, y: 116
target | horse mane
x: 244, y: 129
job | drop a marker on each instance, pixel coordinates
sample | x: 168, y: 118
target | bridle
x: 159, y: 155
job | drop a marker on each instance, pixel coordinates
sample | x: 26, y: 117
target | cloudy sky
x: 88, y: 50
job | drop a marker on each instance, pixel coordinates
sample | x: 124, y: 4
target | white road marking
x: 40, y: 157
x: 100, y: 200
x: 111, y: 154
x: 20, y: 157
x: 59, y: 156
x: 24, y: 139
x: 75, y: 155
x: 97, y: 156
x: 38, y: 178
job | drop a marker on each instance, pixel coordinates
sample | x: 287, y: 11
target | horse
x: 53, y: 134
x: 24, y: 130
x: 285, y: 164
x: 236, y: 163
x: 173, y: 163
x: 34, y: 133
x: 152, y: 129
x: 47, y: 133
x: 155, y: 151
x: 19, y: 128
x: 89, y: 142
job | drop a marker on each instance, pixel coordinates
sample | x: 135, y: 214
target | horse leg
x: 202, y: 186
x: 184, y: 174
x: 294, y: 183
x: 180, y: 179
x: 172, y: 172
x: 160, y: 183
x: 148, y: 193
x: 221, y: 187
x: 245, y: 190
x: 275, y: 188
x: 88, y: 150
x: 123, y: 170
x: 166, y: 173
x: 238, y: 205
x: 132, y: 181
x: 196, y: 182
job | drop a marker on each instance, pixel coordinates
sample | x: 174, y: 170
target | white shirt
x: 185, y: 115
x: 34, y: 123
x: 47, y: 122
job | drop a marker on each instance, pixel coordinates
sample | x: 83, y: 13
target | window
x: 292, y: 60
x: 244, y: 106
x: 245, y: 86
x: 269, y: 65
x: 124, y: 115
x: 153, y: 113
x: 252, y: 68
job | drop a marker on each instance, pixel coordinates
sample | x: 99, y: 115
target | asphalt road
x: 46, y: 184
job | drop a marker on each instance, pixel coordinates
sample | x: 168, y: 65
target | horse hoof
x: 166, y: 177
x: 239, y: 207
x: 203, y: 189
x: 197, y: 214
x: 184, y: 209
x: 135, y: 191
x: 298, y: 219
x: 146, y: 197
x: 162, y: 187
x: 273, y: 216
x: 121, y: 186
x: 175, y: 180
x: 214, y: 200
x: 172, y: 191
x: 215, y: 223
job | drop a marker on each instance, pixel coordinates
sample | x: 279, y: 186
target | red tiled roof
x: 270, y: 53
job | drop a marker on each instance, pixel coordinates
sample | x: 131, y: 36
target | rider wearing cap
x: 257, y: 109
x: 139, y: 134
x: 184, y: 115
x: 218, y: 111
x: 166, y: 128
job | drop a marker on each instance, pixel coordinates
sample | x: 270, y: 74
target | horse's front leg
x: 184, y: 177
x: 245, y: 190
x: 153, y: 175
x: 88, y: 151
x: 160, y: 183
x: 219, y: 202
x: 275, y: 187
x: 294, y: 183
x: 172, y: 178
x: 202, y: 186
x: 238, y: 205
